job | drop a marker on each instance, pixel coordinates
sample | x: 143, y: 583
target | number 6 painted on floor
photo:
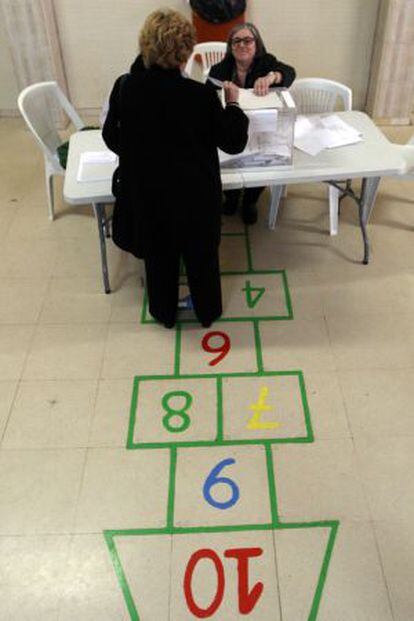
x: 214, y: 479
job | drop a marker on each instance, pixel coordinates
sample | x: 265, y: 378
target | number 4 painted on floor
x: 250, y: 299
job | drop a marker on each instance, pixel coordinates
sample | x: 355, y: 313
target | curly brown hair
x: 166, y: 39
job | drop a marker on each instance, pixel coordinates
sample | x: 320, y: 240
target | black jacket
x: 261, y: 66
x: 166, y: 130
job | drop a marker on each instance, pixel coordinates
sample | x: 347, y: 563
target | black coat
x: 261, y: 66
x: 166, y: 130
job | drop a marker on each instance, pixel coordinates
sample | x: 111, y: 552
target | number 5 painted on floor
x: 256, y: 420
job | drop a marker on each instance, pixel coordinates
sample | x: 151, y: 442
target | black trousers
x: 203, y: 276
x: 250, y: 195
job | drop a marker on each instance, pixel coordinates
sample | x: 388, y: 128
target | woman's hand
x: 231, y: 92
x: 261, y: 86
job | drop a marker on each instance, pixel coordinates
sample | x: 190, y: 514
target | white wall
x: 328, y: 38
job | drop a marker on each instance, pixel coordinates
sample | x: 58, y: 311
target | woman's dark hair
x: 260, y: 46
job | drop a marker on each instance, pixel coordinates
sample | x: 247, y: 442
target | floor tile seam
x: 362, y: 479
x: 46, y: 293
x: 94, y: 410
x: 78, y: 495
x: 10, y: 411
x: 28, y: 350
x: 100, y: 375
x: 383, y: 571
x: 277, y: 573
x: 344, y: 404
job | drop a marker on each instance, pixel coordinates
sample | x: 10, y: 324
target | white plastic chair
x: 407, y: 153
x: 39, y: 105
x: 315, y: 96
x: 211, y: 53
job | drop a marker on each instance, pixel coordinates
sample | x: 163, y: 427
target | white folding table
x: 368, y: 160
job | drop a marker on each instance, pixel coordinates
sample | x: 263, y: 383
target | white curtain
x: 34, y: 41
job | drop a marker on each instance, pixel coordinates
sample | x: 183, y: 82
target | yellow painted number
x: 260, y: 406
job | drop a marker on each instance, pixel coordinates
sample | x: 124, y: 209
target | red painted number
x: 221, y: 348
x: 247, y: 598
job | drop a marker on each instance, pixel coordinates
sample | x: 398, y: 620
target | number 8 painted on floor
x: 213, y: 479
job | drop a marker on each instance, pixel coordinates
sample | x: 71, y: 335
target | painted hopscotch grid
x: 253, y: 290
x: 214, y: 407
x: 219, y: 436
x: 171, y: 530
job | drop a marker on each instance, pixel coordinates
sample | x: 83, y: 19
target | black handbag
x: 218, y: 11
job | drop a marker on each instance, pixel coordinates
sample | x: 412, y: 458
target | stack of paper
x: 96, y: 166
x: 315, y: 133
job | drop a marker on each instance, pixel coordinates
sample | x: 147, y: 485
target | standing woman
x: 166, y: 129
x: 248, y: 65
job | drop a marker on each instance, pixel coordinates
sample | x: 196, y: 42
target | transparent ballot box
x: 271, y: 128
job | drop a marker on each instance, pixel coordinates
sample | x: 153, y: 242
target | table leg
x: 366, y: 203
x: 276, y: 192
x: 99, y: 209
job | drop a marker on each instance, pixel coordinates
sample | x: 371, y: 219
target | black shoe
x: 206, y: 324
x: 169, y: 324
x: 249, y: 214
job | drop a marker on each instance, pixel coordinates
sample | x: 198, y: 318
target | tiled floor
x: 343, y: 449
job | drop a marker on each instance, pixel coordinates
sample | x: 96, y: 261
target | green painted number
x: 176, y: 412
x: 251, y: 299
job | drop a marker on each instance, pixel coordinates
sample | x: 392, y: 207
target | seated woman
x: 248, y: 65
x: 166, y: 130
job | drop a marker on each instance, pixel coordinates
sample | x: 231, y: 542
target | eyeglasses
x: 245, y: 40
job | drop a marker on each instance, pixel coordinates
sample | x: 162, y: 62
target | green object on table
x: 63, y: 149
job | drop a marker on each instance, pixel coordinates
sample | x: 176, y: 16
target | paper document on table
x: 315, y: 133
x: 248, y: 100
x: 96, y: 166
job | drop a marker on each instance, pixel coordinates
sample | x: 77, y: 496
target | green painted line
x: 177, y: 351
x: 171, y: 488
x: 324, y: 572
x: 144, y: 307
x: 219, y: 385
x: 258, y: 345
x: 286, y: 316
x: 219, y: 441
x: 248, y: 249
x: 121, y: 577
x: 209, y: 375
x: 308, y: 421
x: 287, y: 295
x: 188, y: 530
x: 132, y: 415
x: 214, y: 443
x: 110, y: 536
x: 272, y: 486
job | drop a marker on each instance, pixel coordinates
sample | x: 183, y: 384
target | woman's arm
x: 111, y: 128
x: 283, y: 74
x: 230, y: 125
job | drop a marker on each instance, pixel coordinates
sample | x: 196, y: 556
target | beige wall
x: 327, y: 38
x: 8, y: 86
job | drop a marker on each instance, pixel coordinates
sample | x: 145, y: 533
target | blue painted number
x: 214, y: 479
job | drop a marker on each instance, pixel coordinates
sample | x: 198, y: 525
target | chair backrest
x: 313, y: 95
x: 39, y: 105
x: 211, y: 53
